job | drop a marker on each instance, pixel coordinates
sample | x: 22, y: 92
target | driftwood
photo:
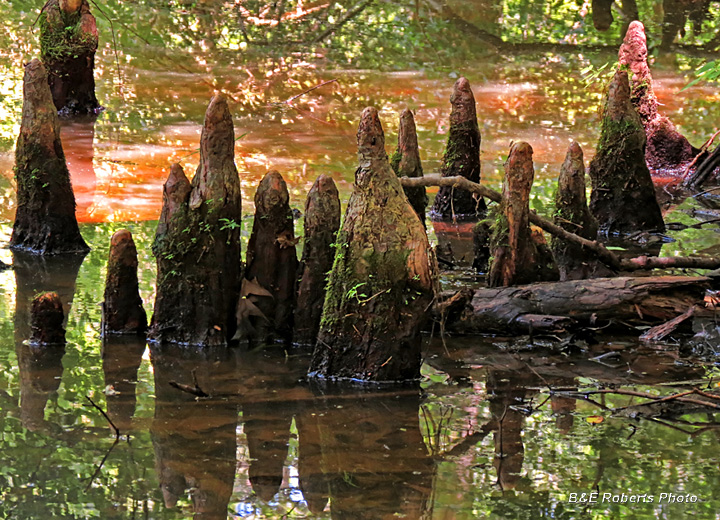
x: 551, y: 306
x: 123, y: 312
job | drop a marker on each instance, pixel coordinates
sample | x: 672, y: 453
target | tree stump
x: 406, y: 162
x: 462, y: 157
x: 623, y: 196
x: 45, y: 220
x: 572, y: 214
x: 123, y: 311
x: 68, y: 41
x: 271, y: 263
x: 667, y: 150
x: 383, y: 276
x: 46, y: 320
x: 519, y: 257
x: 197, y: 245
x: 322, y: 221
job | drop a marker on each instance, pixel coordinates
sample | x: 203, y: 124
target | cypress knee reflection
x: 121, y: 357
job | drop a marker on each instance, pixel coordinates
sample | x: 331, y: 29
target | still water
x: 487, y: 433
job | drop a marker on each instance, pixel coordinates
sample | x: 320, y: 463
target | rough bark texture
x: 197, y: 246
x: 602, y: 14
x: 462, y: 157
x: 406, y: 162
x: 667, y: 151
x: 623, y: 196
x: 572, y: 213
x: 68, y: 41
x: 123, y: 311
x: 581, y: 302
x: 383, y: 276
x: 121, y: 359
x: 45, y: 220
x: 271, y: 262
x: 322, y: 221
x: 46, y: 320
x: 518, y: 256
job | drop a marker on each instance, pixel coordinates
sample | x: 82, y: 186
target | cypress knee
x: 123, y: 311
x: 462, y: 157
x: 271, y: 264
x: 383, y: 276
x: 519, y: 255
x: 572, y: 214
x: 68, y: 41
x: 46, y: 320
x: 45, y: 220
x: 623, y: 196
x: 406, y: 162
x: 197, y: 245
x: 322, y: 221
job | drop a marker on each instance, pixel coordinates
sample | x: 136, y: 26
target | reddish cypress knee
x: 123, y: 312
x: 45, y: 220
x: 406, y: 162
x: 46, y: 320
x: 322, y: 221
x: 462, y: 157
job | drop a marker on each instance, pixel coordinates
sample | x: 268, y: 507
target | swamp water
x: 485, y: 434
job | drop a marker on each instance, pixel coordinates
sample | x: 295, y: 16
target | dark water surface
x: 487, y: 433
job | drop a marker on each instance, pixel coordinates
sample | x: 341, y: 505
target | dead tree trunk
x: 623, y: 196
x: 602, y: 16
x: 322, y: 221
x: 271, y: 263
x: 518, y: 256
x: 68, y: 41
x: 46, y: 320
x: 197, y: 245
x: 572, y: 213
x: 123, y: 311
x: 383, y: 277
x: 667, y: 150
x: 406, y: 162
x: 462, y: 157
x: 45, y: 220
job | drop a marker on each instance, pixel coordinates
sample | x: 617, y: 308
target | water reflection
x: 78, y: 136
x: 121, y: 359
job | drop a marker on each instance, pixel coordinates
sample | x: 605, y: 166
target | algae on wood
x: 406, y: 162
x: 383, y: 276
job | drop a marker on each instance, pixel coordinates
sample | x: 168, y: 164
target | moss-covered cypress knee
x: 406, y: 162
x: 382, y: 279
x: 623, y: 196
x: 45, y: 220
x: 197, y: 245
x: 271, y: 264
x: 123, y: 311
x: 462, y: 157
x: 46, y: 320
x: 68, y: 41
x: 322, y: 221
x: 519, y: 255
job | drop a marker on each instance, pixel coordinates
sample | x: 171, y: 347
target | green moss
x: 61, y: 38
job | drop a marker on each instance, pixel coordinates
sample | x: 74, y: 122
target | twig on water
x: 117, y: 432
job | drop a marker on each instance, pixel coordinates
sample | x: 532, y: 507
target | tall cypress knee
x: 68, y: 41
x: 322, y: 221
x: 45, y: 220
x: 462, y: 157
x: 123, y: 311
x: 623, y: 196
x: 382, y: 279
x: 197, y: 244
x: 406, y: 162
x: 271, y: 264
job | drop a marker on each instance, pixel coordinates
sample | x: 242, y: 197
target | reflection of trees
x: 122, y: 356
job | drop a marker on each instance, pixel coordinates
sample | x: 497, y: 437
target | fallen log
x: 543, y: 306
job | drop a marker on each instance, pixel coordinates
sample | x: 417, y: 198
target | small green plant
x: 227, y: 223
x: 710, y: 71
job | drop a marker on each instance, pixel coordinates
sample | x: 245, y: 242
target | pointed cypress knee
x: 623, y: 196
x: 382, y: 279
x: 123, y: 311
x: 406, y: 162
x: 197, y: 244
x: 519, y: 255
x: 45, y: 220
x: 46, y: 320
x: 265, y: 307
x: 572, y: 214
x: 462, y: 157
x: 322, y: 221
x: 68, y: 41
